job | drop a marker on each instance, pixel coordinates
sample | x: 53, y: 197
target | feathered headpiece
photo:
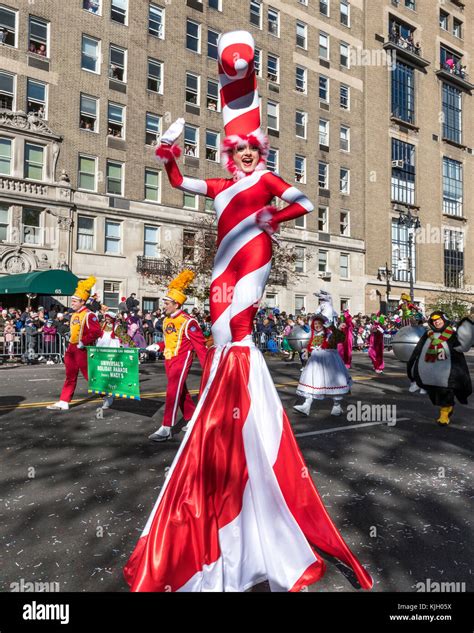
x: 84, y: 287
x: 180, y: 283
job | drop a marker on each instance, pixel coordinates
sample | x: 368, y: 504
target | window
x: 273, y: 72
x: 400, y: 252
x: 300, y: 80
x: 7, y: 26
x: 345, y: 138
x: 344, y: 180
x: 344, y: 304
x: 300, y: 301
x: 452, y: 113
x: 324, y: 132
x: 452, y: 187
x: 112, y: 293
x: 324, y: 7
x: 344, y: 227
x: 344, y: 97
x: 155, y: 76
x: 323, y: 175
x: 192, y: 89
x: 114, y: 178
x: 344, y: 12
x: 117, y: 63
x: 34, y: 161
x: 257, y: 62
x: 444, y: 20
x: 116, y: 119
x: 112, y: 236
x: 323, y: 213
x: 90, y: 54
x: 31, y: 220
x: 212, y: 146
x: 153, y: 128
x: 302, y: 35
x: 5, y: 156
x: 152, y: 185
x: 457, y: 28
x: 189, y: 245
x: 212, y: 37
x: 88, y: 119
x: 403, y: 172
x: 300, y: 169
x: 272, y: 115
x: 410, y: 4
x: 118, y: 11
x: 38, y: 37
x: 303, y: 2
x: 322, y: 261
x: 190, y: 201
x: 453, y: 259
x: 4, y: 223
x: 150, y: 246
x: 156, y: 21
x: 299, y: 259
x: 300, y: 223
x: 344, y: 54
x: 193, y: 36
x: 452, y: 62
x: 272, y: 159
x: 300, y: 121
x: 85, y: 233
x: 191, y: 146
x: 344, y: 265
x: 209, y: 204
x: 323, y: 45
x: 215, y: 4
x: 256, y: 13
x: 323, y: 88
x: 403, y: 92
x: 274, y: 22
x: 212, y: 101
x: 36, y: 98
x: 87, y: 173
x: 7, y: 91
x: 93, y: 6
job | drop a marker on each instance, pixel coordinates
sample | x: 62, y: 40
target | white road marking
x: 344, y: 428
x: 38, y: 379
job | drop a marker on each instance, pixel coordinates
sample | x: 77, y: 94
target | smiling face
x: 246, y: 157
x: 77, y: 304
x: 170, y: 306
x: 318, y: 326
x: 438, y: 323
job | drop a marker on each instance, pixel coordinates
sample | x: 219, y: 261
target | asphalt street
x: 76, y: 489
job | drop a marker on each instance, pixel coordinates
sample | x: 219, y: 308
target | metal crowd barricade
x: 387, y: 341
x: 29, y: 348
x: 262, y: 341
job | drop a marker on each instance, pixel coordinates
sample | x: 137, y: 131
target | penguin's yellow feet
x: 445, y: 414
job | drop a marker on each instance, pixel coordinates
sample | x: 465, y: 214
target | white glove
x: 80, y: 345
x: 173, y: 132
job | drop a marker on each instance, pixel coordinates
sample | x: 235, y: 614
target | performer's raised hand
x: 173, y: 132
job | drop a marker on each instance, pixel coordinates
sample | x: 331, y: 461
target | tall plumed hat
x: 180, y: 283
x: 239, y: 96
x: 84, y: 287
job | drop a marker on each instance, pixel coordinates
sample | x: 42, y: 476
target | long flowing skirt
x: 324, y: 375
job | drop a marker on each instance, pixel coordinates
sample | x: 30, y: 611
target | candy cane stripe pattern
x: 238, y: 506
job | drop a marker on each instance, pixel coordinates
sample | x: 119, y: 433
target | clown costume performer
x: 235, y: 510
x: 376, y: 343
x: 438, y: 365
x: 345, y: 348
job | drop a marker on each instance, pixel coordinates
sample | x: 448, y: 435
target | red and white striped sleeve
x: 299, y: 204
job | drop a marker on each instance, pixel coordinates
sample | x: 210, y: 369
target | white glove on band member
x: 173, y: 132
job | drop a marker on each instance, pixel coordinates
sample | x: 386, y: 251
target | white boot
x: 336, y: 408
x: 108, y: 401
x: 163, y: 434
x: 305, y: 407
x: 423, y: 392
x: 61, y: 405
x: 413, y: 387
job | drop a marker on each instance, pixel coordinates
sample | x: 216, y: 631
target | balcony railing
x: 407, y: 49
x: 154, y: 266
x: 405, y: 43
x: 456, y: 74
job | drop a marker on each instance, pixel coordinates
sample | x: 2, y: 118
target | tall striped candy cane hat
x: 239, y: 97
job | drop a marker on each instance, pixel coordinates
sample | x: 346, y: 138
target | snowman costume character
x: 325, y: 374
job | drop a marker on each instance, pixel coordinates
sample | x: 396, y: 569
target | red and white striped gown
x: 238, y: 506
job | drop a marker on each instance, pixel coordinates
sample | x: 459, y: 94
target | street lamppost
x: 413, y: 224
x: 385, y: 273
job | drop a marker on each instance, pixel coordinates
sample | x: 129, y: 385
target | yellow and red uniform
x: 85, y: 330
x: 183, y: 339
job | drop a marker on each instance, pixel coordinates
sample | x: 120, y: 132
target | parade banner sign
x: 113, y: 371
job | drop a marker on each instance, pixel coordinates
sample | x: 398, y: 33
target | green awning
x: 45, y: 282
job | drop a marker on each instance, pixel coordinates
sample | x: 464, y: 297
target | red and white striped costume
x: 238, y: 506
